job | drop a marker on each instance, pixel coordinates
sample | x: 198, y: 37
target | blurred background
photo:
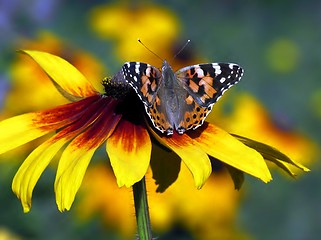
x: 278, y: 102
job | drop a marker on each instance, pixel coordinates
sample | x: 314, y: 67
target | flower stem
x: 141, y: 209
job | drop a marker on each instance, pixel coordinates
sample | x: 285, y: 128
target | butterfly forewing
x: 144, y: 79
x: 206, y: 83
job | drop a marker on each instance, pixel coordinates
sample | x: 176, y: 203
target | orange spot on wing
x: 189, y: 100
x: 145, y: 80
x: 206, y: 80
x: 193, y: 86
x: 158, y: 101
x: 210, y: 91
x: 149, y: 97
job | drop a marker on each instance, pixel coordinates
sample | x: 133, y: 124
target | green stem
x: 141, y: 209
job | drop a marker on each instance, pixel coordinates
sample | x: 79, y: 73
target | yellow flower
x: 6, y: 234
x: 125, y: 23
x: 30, y: 87
x: 254, y: 122
x: 208, y: 213
x: 99, y: 194
x: 115, y: 118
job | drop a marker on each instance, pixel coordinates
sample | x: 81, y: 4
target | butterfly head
x: 168, y: 75
x: 166, y: 66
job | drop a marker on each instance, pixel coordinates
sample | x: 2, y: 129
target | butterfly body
x: 180, y: 100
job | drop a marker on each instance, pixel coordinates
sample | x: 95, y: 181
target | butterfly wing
x: 206, y: 83
x: 193, y: 114
x: 158, y: 116
x: 144, y: 79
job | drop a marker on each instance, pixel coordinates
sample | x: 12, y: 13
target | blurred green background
x: 276, y: 42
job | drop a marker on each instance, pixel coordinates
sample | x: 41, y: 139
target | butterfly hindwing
x: 194, y: 114
x: 158, y: 117
x: 206, y: 83
x: 144, y: 79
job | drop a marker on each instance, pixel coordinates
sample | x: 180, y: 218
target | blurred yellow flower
x: 250, y: 119
x: 100, y: 194
x: 6, y: 234
x: 207, y: 214
x: 125, y: 23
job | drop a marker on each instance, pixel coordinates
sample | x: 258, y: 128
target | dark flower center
x: 115, y: 89
x: 130, y: 107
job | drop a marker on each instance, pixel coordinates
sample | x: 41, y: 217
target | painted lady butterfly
x: 180, y: 100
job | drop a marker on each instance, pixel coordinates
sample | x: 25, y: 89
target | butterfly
x: 180, y: 100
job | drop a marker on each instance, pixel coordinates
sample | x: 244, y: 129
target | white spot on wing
x: 137, y: 68
x: 148, y: 71
x: 217, y: 68
x: 199, y: 71
x: 222, y: 80
x: 231, y: 65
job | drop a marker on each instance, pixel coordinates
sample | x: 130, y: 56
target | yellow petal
x: 272, y: 154
x: 192, y: 155
x: 32, y: 168
x: 19, y: 130
x: 129, y: 150
x: 69, y: 81
x: 71, y: 170
x: 76, y: 157
x: 221, y: 145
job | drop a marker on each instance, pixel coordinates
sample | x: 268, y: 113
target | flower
x: 208, y: 213
x: 256, y: 123
x: 26, y: 77
x: 125, y: 23
x: 115, y: 117
x: 6, y: 233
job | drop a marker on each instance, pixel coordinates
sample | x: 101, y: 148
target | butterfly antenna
x: 187, y: 42
x: 149, y: 50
